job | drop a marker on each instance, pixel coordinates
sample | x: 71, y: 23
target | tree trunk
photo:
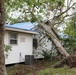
x: 67, y: 60
x: 2, y: 29
x: 55, y: 40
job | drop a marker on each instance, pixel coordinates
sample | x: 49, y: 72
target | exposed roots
x: 69, y: 61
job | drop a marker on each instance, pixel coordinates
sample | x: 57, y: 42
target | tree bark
x: 2, y: 29
x: 55, y: 40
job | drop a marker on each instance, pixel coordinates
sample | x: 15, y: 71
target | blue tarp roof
x: 22, y: 25
x: 28, y: 26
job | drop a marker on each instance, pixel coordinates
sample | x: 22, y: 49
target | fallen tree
x: 68, y: 59
x: 50, y: 32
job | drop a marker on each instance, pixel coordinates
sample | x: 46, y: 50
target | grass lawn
x: 39, y: 68
x: 59, y: 71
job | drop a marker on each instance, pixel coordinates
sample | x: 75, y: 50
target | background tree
x: 2, y: 30
x: 70, y: 31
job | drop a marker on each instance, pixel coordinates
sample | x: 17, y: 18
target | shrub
x: 47, y: 54
x: 7, y: 48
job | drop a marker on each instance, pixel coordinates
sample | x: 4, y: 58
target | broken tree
x: 50, y: 32
x: 67, y: 59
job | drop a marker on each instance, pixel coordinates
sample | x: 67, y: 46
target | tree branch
x: 65, y: 10
x: 52, y: 22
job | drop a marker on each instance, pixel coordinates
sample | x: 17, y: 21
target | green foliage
x: 70, y: 45
x: 31, y: 9
x: 70, y: 31
x: 47, y: 54
x: 71, y: 26
x: 7, y: 48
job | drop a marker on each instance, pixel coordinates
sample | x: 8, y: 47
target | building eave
x: 21, y: 30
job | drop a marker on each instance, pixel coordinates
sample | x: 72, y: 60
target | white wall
x: 20, y: 50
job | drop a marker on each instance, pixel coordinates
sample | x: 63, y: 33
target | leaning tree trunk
x: 2, y: 22
x: 68, y: 60
x: 49, y: 31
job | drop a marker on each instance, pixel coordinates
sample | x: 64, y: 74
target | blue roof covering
x: 22, y: 25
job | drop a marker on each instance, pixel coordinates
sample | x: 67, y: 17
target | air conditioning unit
x: 29, y: 59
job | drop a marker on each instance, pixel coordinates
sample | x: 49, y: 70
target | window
x: 13, y: 38
x: 35, y: 43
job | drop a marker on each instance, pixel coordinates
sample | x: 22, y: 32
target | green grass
x: 51, y: 71
x: 59, y: 71
x: 30, y: 70
x: 44, y: 72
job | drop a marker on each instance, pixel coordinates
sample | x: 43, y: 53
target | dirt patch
x: 22, y: 69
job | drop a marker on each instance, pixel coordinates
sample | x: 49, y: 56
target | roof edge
x: 21, y: 30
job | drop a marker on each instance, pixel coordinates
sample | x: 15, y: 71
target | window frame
x: 13, y: 39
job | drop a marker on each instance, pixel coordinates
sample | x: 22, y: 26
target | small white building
x: 20, y: 37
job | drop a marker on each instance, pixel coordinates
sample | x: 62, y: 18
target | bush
x: 7, y: 48
x: 47, y: 54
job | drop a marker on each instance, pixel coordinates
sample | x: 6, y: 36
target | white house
x: 20, y: 37
x: 24, y: 41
